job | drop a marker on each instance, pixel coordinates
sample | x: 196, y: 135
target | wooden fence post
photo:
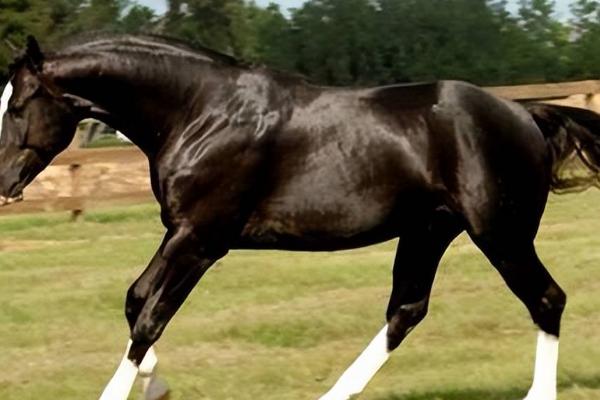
x: 77, y: 207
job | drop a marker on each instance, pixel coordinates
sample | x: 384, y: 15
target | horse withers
x: 242, y: 157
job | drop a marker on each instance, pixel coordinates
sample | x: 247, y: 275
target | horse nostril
x: 4, y: 201
x: 15, y: 199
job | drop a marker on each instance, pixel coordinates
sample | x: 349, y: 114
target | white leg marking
x: 149, y: 364
x: 121, y: 383
x: 153, y: 387
x: 356, y: 378
x: 546, y: 362
x: 6, y: 95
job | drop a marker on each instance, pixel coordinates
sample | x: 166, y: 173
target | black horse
x: 245, y: 157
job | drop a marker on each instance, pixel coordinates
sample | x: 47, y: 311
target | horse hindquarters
x: 502, y: 211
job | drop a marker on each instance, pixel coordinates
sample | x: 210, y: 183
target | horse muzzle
x: 18, y: 170
x: 5, y: 201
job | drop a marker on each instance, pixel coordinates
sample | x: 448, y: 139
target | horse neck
x: 141, y: 97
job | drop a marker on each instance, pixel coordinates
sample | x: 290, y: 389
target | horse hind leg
x: 415, y: 266
x: 516, y: 260
x: 417, y: 259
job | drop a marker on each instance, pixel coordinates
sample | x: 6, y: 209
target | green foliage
x: 349, y: 52
x: 273, y: 36
x: 584, y: 56
x: 53, y: 21
x: 456, y: 39
x: 106, y: 140
x: 205, y: 22
x: 348, y: 42
x: 139, y: 18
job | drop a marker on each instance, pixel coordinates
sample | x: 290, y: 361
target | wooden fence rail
x: 546, y: 91
x: 80, y: 179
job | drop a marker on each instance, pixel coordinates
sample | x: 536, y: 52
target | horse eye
x: 14, y: 109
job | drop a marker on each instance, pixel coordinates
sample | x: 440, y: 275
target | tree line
x: 346, y: 42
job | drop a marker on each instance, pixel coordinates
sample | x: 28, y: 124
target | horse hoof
x: 157, y: 390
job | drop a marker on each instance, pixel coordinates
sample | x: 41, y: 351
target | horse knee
x: 550, y: 308
x: 147, y: 329
x: 404, y: 320
x: 136, y: 299
x: 142, y: 288
x: 142, y: 340
x: 133, y: 306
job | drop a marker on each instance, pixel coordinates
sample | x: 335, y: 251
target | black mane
x: 150, y: 43
x: 153, y: 44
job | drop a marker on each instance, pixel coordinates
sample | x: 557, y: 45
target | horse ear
x: 12, y: 47
x: 34, y: 53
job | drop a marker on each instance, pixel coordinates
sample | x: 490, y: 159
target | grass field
x: 273, y: 325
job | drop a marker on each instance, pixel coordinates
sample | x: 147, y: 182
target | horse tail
x: 573, y: 135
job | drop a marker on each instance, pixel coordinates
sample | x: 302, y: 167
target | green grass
x: 107, y: 141
x: 275, y: 325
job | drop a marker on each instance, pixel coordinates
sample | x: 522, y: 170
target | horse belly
x: 344, y: 205
x: 320, y: 224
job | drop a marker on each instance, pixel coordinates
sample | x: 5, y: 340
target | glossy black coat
x: 245, y: 157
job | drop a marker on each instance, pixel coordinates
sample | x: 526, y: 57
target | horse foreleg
x: 153, y: 387
x: 416, y: 263
x: 122, y: 382
x: 176, y: 270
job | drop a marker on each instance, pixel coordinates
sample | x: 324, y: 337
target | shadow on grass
x: 491, y: 394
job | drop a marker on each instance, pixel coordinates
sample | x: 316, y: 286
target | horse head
x: 37, y: 122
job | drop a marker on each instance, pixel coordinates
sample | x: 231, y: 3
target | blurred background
x: 487, y: 42
x: 276, y: 325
